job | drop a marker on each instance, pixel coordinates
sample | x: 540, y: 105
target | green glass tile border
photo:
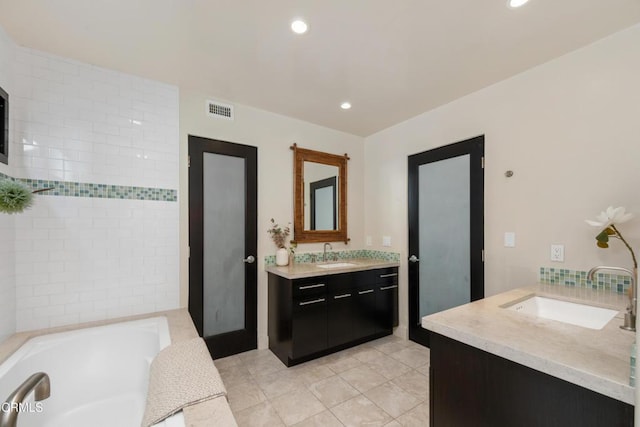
x: 100, y: 191
x: 342, y: 255
x: 575, y: 278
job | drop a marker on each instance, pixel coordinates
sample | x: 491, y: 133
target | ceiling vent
x: 220, y: 110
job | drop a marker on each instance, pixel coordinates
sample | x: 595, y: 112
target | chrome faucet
x: 324, y: 255
x: 41, y: 387
x: 632, y: 308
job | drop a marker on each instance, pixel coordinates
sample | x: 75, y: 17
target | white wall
x: 569, y: 130
x: 7, y: 232
x: 82, y: 258
x: 273, y: 135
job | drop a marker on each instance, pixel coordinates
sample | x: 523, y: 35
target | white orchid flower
x: 612, y: 216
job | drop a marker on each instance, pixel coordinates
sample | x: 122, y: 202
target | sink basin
x: 583, y: 315
x: 337, y: 265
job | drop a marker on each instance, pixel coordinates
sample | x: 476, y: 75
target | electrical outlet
x: 386, y: 240
x: 369, y: 241
x: 557, y: 253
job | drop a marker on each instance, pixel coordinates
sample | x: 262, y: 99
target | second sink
x: 337, y: 265
x: 583, y: 315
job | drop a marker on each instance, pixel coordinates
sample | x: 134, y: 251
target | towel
x: 181, y: 375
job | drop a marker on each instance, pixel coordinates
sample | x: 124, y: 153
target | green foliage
x: 15, y: 197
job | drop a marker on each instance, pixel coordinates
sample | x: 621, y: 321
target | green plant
x: 15, y: 197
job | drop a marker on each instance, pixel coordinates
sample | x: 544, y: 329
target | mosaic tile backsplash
x: 575, y: 278
x: 102, y: 191
x: 339, y: 255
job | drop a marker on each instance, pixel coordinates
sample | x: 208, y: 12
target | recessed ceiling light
x: 517, y: 3
x: 345, y: 105
x: 299, y: 27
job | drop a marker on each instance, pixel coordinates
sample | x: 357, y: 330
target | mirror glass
x: 320, y: 196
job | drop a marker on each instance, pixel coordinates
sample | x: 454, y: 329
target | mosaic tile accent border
x: 341, y: 255
x: 604, y: 281
x: 101, y: 191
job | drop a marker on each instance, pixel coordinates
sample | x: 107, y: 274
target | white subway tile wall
x: 7, y: 230
x: 79, y: 259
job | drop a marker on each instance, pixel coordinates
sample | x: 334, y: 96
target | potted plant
x: 279, y: 236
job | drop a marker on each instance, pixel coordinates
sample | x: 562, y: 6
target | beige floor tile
x: 279, y: 383
x: 360, y: 411
x: 227, y: 362
x: 388, y: 367
x: 332, y: 391
x: 417, y: 417
x: 412, y: 356
x: 234, y: 374
x: 393, y: 423
x: 244, y: 395
x: 312, y: 373
x: 297, y: 406
x: 414, y: 383
x: 260, y: 415
x: 368, y: 354
x: 264, y: 365
x: 323, y: 419
x: 424, y: 369
x: 392, y: 399
x: 363, y: 378
x: 342, y: 364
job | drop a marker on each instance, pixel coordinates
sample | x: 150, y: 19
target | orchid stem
x: 633, y: 255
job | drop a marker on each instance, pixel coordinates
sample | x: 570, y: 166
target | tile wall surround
x: 342, y: 255
x: 575, y: 278
x: 107, y: 243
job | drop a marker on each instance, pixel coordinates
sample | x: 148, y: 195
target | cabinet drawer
x: 386, y: 276
x: 306, y: 288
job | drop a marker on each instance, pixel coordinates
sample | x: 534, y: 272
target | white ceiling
x: 391, y: 59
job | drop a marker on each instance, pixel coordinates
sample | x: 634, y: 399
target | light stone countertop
x: 211, y: 412
x: 594, y: 359
x: 307, y: 269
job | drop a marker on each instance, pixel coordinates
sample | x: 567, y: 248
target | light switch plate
x: 557, y: 253
x: 386, y: 240
x: 509, y: 239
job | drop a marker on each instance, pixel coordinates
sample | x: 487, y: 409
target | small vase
x: 282, y: 257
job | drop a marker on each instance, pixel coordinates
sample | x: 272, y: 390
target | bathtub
x: 98, y: 375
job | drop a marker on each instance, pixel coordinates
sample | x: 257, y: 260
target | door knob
x: 413, y: 258
x: 249, y: 260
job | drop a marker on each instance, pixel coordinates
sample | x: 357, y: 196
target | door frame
x: 475, y: 148
x: 317, y: 185
x: 233, y: 342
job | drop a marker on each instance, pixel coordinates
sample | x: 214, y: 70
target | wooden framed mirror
x: 319, y: 196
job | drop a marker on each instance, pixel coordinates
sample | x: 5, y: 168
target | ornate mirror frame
x: 301, y: 155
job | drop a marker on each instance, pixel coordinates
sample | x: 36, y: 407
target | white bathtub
x: 98, y: 375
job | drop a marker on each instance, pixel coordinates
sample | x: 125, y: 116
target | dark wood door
x: 309, y: 326
x: 223, y: 244
x: 364, y: 315
x: 446, y: 230
x: 340, y: 310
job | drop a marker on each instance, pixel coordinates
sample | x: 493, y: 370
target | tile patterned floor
x: 380, y: 383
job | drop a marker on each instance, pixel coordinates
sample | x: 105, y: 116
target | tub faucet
x: 632, y: 308
x: 41, y: 387
x: 324, y: 255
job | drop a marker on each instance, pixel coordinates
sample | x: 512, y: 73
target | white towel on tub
x: 181, y: 375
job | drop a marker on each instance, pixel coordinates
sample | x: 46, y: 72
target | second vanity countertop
x: 302, y: 270
x: 594, y: 359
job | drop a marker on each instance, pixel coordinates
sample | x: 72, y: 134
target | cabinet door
x: 386, y: 299
x: 340, y: 318
x: 364, y: 315
x: 309, y: 326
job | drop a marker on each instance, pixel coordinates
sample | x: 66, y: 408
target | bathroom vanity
x: 508, y: 368
x: 315, y: 310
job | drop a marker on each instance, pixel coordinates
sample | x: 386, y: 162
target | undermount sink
x: 337, y: 265
x: 583, y: 315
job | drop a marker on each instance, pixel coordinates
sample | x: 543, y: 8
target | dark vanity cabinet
x: 470, y: 387
x: 310, y: 317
